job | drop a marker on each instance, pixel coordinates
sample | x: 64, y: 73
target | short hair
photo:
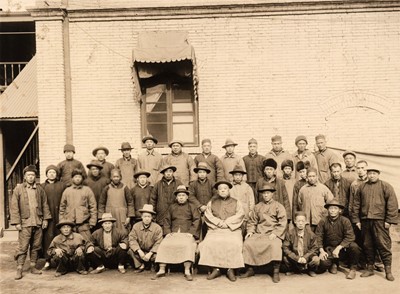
x: 313, y: 170
x: 335, y: 164
x: 362, y: 161
x: 115, y: 170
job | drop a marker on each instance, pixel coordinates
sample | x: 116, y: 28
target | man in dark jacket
x: 96, y: 180
x: 254, y: 164
x: 69, y: 164
x: 29, y: 213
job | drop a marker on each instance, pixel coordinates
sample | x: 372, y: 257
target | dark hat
x: 65, y: 223
x: 147, y: 208
x: 300, y: 138
x: 334, y: 202
x: 95, y: 163
x: 76, y: 171
x: 373, y: 168
x: 125, y: 146
x: 69, y: 147
x: 229, y: 142
x: 181, y: 189
x: 202, y: 166
x: 300, y: 165
x: 53, y: 167
x: 94, y: 152
x: 175, y: 141
x: 267, y: 187
x: 238, y: 169
x: 276, y: 138
x: 167, y: 166
x: 252, y: 141
x: 347, y: 152
x: 107, y: 217
x: 30, y: 168
x: 287, y: 162
x: 222, y: 182
x: 300, y: 213
x: 141, y: 173
x: 149, y: 137
x: 270, y: 162
x: 206, y: 140
x: 320, y: 136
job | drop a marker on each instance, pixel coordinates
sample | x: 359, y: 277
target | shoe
x: 98, y: 270
x: 18, y: 276
x: 289, y: 273
x: 121, y: 269
x: 312, y: 274
x: 157, y: 276
x: 379, y: 267
x: 333, y: 269
x: 46, y: 266
x: 59, y: 274
x: 214, y: 274
x: 35, y: 271
x: 231, y: 275
x: 368, y: 272
x: 82, y: 272
x: 389, y: 275
x: 140, y: 269
x: 275, y: 277
x: 249, y: 273
x: 189, y: 277
x: 351, y: 275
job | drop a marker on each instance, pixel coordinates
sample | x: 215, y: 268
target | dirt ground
x: 112, y: 281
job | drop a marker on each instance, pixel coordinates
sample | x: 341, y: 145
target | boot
x: 18, y: 276
x: 34, y: 270
x: 389, y: 276
x: 275, y: 276
x: 249, y: 273
x: 368, y: 272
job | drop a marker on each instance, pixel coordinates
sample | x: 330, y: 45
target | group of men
x: 298, y: 212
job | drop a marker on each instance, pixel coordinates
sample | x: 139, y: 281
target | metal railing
x: 8, y: 72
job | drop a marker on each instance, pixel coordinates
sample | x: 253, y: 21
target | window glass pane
x: 156, y: 118
x: 185, y: 107
x: 183, y: 132
x: 156, y: 107
x: 182, y: 91
x: 182, y: 118
x: 159, y: 131
x: 156, y: 102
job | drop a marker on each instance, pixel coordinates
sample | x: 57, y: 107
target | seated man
x: 181, y: 228
x: 67, y: 250
x: 110, y: 246
x: 300, y: 248
x: 144, y: 239
x: 336, y: 240
x: 265, y: 232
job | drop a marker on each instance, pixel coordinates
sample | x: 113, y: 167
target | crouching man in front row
x: 67, y: 250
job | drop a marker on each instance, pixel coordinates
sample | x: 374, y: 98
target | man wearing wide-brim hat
x: 101, y: 152
x: 230, y: 159
x: 67, y: 250
x: 375, y: 209
x: 150, y: 159
x: 127, y: 165
x: 110, y: 246
x: 183, y: 162
x: 96, y: 180
x: 336, y: 240
x: 68, y: 165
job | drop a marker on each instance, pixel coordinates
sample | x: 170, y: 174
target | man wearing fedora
x: 230, y: 159
x: 303, y: 154
x: 212, y: 161
x: 336, y: 240
x: 375, y: 209
x: 67, y: 250
x: 29, y: 213
x: 127, y: 165
x: 101, y: 153
x: 69, y: 164
x: 150, y: 160
x: 144, y: 239
x: 183, y: 162
x: 141, y: 192
x: 110, y: 246
x: 254, y: 164
x: 96, y: 180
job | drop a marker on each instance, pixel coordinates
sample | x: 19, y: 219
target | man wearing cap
x: 67, y: 250
x: 265, y: 232
x: 141, y: 192
x: 69, y: 164
x: 78, y: 205
x: 302, y: 172
x: 269, y: 177
x: 325, y: 157
x: 150, y: 159
x: 29, y: 213
x: 101, y: 153
x: 303, y: 154
x: 110, y: 246
x: 214, y: 164
x: 288, y: 178
x: 350, y: 172
x: 96, y: 180
x: 183, y: 162
x: 278, y: 153
x: 230, y: 159
x: 144, y: 239
x: 336, y: 240
x: 54, y: 189
x: 375, y: 209
x: 254, y: 164
x: 127, y: 165
x: 339, y: 186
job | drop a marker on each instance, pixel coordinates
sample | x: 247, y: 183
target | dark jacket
x: 66, y: 167
x: 97, y: 184
x: 215, y: 165
x: 117, y: 236
x: 19, y: 206
x: 184, y: 218
x: 343, y: 192
x: 141, y: 196
x: 333, y: 233
x: 254, y: 167
x: 201, y: 191
x: 53, y: 192
x: 290, y: 244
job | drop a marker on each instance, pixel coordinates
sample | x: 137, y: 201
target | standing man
x: 101, y: 153
x: 278, y: 154
x: 302, y: 172
x: 96, y: 180
x: 288, y: 178
x: 214, y: 163
x: 29, y: 213
x: 69, y: 164
x: 127, y: 165
x: 375, y: 210
x: 350, y: 172
x: 325, y: 157
x: 303, y: 154
x: 183, y: 162
x: 254, y: 164
x: 230, y: 159
x: 150, y: 159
